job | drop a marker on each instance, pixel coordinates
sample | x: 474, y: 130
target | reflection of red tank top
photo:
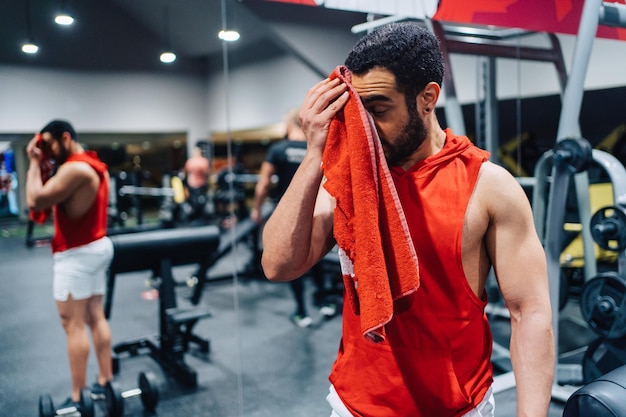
x: 436, y: 360
x: 68, y: 232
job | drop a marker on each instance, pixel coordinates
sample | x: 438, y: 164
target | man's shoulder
x: 76, y: 168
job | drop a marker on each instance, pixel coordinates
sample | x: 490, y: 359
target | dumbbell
x: 148, y: 391
x: 85, y: 408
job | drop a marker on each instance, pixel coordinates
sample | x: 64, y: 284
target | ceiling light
x: 168, y: 57
x: 63, y: 19
x: 30, y: 48
x: 228, y: 35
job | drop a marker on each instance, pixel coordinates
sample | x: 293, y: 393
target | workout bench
x: 159, y: 251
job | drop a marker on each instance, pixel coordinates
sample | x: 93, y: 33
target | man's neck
x: 434, y: 143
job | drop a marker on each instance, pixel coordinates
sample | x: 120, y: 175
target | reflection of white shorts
x: 485, y: 408
x: 81, y: 271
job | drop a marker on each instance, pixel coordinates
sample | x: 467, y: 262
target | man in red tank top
x: 78, y: 193
x: 465, y: 216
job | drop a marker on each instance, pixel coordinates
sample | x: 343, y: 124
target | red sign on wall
x: 554, y: 16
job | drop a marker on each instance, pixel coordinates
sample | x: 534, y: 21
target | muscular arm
x: 299, y: 232
x: 69, y: 177
x: 520, y: 266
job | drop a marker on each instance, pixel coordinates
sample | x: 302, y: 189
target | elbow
x: 35, y: 203
x: 31, y: 203
x: 274, y: 271
x: 270, y: 271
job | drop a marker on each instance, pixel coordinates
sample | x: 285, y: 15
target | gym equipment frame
x: 594, y: 12
x: 159, y: 251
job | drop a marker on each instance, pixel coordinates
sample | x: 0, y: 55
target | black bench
x: 605, y: 396
x: 159, y: 251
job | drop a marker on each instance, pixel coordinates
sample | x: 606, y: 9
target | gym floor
x: 259, y: 363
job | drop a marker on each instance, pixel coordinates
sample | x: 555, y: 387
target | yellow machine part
x: 179, y: 190
x: 600, y: 195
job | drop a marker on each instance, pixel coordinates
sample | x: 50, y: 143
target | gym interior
x: 197, y: 329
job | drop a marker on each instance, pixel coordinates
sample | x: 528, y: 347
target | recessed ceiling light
x: 228, y: 35
x: 64, y: 19
x: 30, y: 48
x: 168, y: 57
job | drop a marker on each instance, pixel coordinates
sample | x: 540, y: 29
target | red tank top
x: 70, y: 232
x: 436, y: 360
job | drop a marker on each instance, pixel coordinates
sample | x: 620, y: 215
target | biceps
x: 520, y: 266
x: 56, y: 190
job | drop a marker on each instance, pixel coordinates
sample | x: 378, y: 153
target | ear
x: 66, y: 138
x: 427, y: 98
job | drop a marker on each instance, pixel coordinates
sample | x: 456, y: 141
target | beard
x: 61, y: 155
x: 408, y: 141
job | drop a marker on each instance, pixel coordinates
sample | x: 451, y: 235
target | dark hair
x: 406, y: 49
x: 57, y: 127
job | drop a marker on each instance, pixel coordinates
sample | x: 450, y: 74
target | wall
x: 258, y: 95
x: 102, y: 102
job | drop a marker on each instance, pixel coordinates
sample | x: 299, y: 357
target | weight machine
x: 571, y: 156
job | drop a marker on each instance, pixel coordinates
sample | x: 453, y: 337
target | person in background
x: 197, y: 170
x: 78, y: 194
x: 464, y: 214
x: 283, y: 158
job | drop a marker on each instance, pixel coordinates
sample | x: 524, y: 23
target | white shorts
x: 486, y: 408
x: 82, y: 271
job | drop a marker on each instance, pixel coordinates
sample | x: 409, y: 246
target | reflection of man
x: 283, y: 159
x: 81, y: 251
x: 197, y: 171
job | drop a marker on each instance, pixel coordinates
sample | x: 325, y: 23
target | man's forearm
x: 34, y: 184
x: 533, y: 356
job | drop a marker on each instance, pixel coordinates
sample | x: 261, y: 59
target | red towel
x: 378, y: 259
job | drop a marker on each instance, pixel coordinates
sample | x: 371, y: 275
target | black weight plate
x: 114, y: 400
x: 603, y: 305
x: 608, y: 228
x: 575, y: 152
x: 149, y: 386
x: 46, y: 406
x: 86, y: 403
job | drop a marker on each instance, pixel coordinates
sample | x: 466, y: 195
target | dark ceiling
x: 126, y: 35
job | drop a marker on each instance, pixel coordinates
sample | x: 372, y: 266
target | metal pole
x: 573, y: 95
x: 492, y: 138
x: 568, y: 128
